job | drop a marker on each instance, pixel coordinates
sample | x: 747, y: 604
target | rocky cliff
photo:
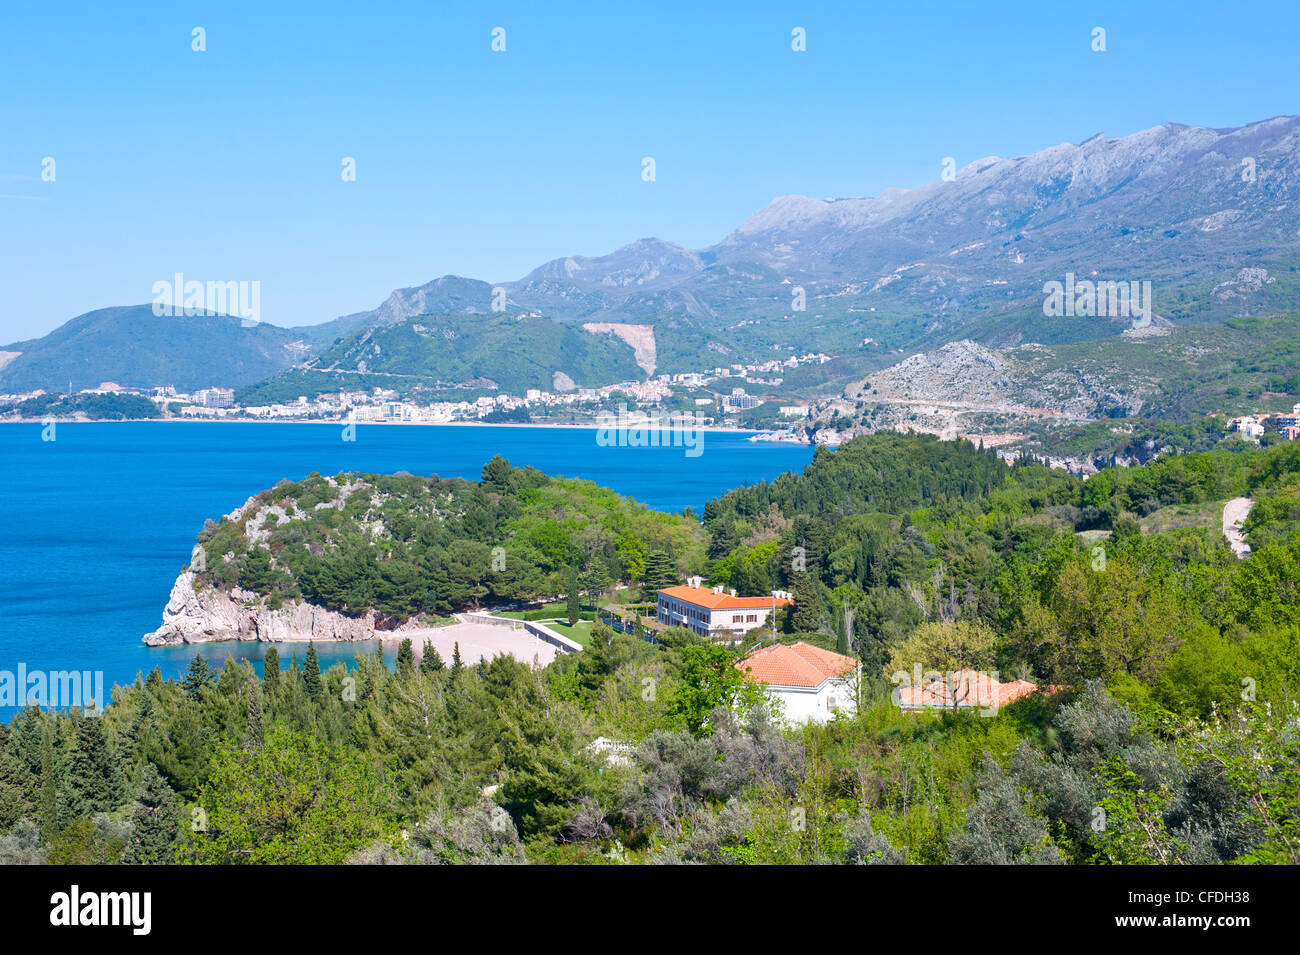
x: 206, y: 615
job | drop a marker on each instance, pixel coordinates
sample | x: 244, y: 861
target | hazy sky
x: 225, y: 164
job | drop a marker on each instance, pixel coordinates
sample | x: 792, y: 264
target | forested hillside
x: 1170, y: 736
x: 407, y: 545
x: 911, y: 540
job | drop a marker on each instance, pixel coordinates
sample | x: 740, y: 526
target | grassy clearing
x: 1094, y: 537
x: 1208, y: 516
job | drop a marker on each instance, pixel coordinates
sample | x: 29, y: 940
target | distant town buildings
x: 1257, y: 425
x: 738, y: 400
x: 216, y: 397
x: 386, y: 406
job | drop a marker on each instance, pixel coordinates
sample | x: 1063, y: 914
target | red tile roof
x: 799, y: 664
x: 966, y: 688
x: 704, y: 597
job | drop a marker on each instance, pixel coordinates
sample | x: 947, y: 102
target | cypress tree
x: 271, y: 670
x: 456, y: 666
x: 574, y: 607
x: 311, y: 680
x: 50, y: 781
x: 155, y: 821
x: 430, y: 659
x: 253, y: 732
x: 406, y: 658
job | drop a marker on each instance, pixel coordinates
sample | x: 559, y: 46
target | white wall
x: 804, y: 705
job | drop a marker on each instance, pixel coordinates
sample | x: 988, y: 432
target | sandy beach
x: 478, y: 642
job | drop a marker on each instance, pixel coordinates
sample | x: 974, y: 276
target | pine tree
x: 660, y: 572
x: 807, y: 614
x: 94, y: 783
x: 155, y: 821
x: 430, y: 659
x: 456, y: 665
x: 406, y: 658
x: 723, y: 539
x: 574, y: 607
x: 199, y: 676
x: 597, y: 661
x: 137, y: 735
x: 17, y: 786
x: 496, y: 475
x: 271, y: 671
x: 311, y: 680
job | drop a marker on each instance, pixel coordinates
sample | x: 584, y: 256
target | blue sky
x: 225, y: 164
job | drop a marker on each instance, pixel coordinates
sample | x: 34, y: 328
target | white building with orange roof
x: 810, y: 683
x: 716, y: 613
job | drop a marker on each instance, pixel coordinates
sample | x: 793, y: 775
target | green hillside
x: 436, y: 352
x: 135, y: 348
x: 410, y: 546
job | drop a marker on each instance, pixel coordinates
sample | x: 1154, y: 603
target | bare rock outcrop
x: 208, y: 615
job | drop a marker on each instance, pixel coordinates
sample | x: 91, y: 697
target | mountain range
x: 1189, y: 209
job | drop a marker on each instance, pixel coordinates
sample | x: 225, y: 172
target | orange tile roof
x: 967, y: 688
x: 704, y: 597
x: 799, y: 664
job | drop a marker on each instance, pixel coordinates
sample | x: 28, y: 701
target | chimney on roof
x: 733, y: 591
x: 718, y: 589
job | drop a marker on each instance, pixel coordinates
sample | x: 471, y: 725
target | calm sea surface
x: 95, y: 525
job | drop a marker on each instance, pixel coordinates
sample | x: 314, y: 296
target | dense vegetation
x: 1173, y: 737
x: 94, y: 407
x: 890, y: 533
x: 411, y: 546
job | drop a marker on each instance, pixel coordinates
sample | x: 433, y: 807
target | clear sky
x: 225, y: 164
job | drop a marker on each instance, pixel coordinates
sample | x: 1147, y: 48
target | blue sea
x: 96, y: 524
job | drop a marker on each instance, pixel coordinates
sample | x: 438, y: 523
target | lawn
x: 579, y: 633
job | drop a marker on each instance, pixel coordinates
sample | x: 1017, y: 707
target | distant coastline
x: 594, y: 426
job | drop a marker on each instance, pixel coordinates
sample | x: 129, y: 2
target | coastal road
x: 1234, y: 512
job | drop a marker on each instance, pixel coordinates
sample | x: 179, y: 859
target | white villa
x: 715, y: 613
x: 810, y: 682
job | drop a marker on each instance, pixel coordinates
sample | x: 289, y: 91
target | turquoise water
x: 95, y: 525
